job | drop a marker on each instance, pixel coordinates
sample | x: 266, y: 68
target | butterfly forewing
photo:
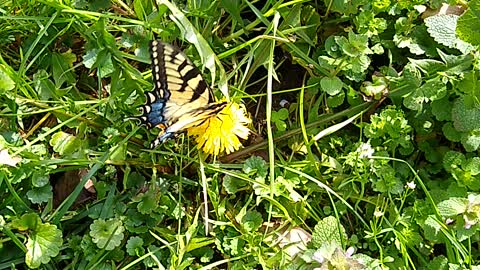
x: 180, y: 98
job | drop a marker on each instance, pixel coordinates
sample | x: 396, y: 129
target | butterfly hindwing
x: 180, y: 98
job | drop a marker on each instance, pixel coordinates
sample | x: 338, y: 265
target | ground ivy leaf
x: 43, y: 243
x: 452, y: 207
x: 465, y: 115
x: 431, y: 90
x: 335, y: 101
x: 442, y: 109
x: 453, y: 160
x: 233, y: 184
x: 440, y: 263
x: 451, y: 133
x: 331, y: 85
x: 147, y: 202
x: 256, y: 165
x: 471, y: 140
x: 41, y: 194
x: 135, y: 246
x: 328, y: 230
x: 469, y: 23
x: 252, y: 220
x: 107, y: 234
x: 26, y: 222
x: 40, y: 178
x: 473, y: 165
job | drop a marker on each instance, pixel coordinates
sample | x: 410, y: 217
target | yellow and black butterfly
x: 181, y: 98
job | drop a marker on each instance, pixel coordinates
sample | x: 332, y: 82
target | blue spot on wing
x: 155, y: 116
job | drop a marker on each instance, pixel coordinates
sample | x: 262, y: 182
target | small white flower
x: 378, y: 213
x: 449, y: 221
x: 365, y: 150
x: 411, y: 185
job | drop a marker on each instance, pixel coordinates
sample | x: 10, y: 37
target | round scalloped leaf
x: 107, y: 234
x: 331, y: 85
x: 469, y: 23
x: 442, y: 28
x: 43, y: 244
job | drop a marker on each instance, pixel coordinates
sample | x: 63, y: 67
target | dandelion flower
x: 221, y: 132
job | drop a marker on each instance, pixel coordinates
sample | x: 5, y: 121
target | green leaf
x: 471, y: 140
x: 431, y: 90
x: 28, y: 221
x: 452, y: 207
x: 41, y: 194
x: 44, y: 86
x: 456, y: 64
x: 453, y: 160
x: 428, y: 66
x: 44, y: 242
x: 252, y: 220
x: 388, y: 181
x: 366, y: 23
x: 255, y: 165
x: 40, y: 178
x: 469, y: 84
x: 64, y: 143
x: 6, y: 83
x: 418, y: 41
x: 62, y: 64
x: 451, y: 133
x: 469, y: 23
x: 104, y: 64
x: 328, y: 230
x: 107, y: 234
x: 473, y: 165
x: 278, y: 118
x: 331, y: 85
x: 135, y: 246
x: 438, y: 263
x: 233, y: 184
x: 465, y: 115
x: 432, y: 229
x: 336, y: 101
x: 442, y: 109
x: 345, y: 7
x: 147, y: 202
x: 442, y: 28
x: 90, y: 58
x: 233, y: 7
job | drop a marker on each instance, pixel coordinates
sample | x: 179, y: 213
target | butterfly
x: 180, y: 99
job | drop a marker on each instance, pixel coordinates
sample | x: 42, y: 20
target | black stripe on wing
x: 175, y: 65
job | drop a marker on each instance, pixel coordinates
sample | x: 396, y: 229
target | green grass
x: 373, y: 161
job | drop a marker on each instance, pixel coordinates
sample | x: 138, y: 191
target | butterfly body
x: 180, y: 99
